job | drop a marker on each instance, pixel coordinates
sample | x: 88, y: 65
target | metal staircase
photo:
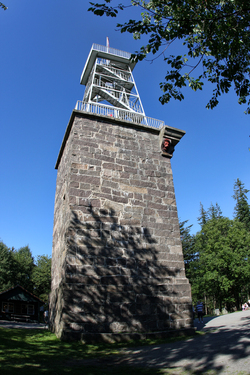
x: 109, y: 80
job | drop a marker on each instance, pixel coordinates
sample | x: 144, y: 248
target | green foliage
x: 242, y: 208
x: 203, y: 218
x: 24, y: 264
x: 224, y: 248
x: 3, y: 6
x: 215, y: 34
x: 18, y: 267
x: 41, y: 277
x: 101, y: 9
x: 189, y: 254
x: 6, y: 267
x: 217, y: 258
x: 214, y: 212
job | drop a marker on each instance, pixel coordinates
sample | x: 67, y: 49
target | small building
x: 18, y: 304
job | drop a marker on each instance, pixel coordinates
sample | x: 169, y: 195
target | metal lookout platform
x: 110, y: 87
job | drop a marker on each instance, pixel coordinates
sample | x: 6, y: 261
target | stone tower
x: 117, y: 262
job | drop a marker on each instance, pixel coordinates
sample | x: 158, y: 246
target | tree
x: 242, y: 208
x: 18, y: 267
x: 215, y: 35
x: 224, y: 267
x: 187, y: 241
x: 214, y: 212
x: 203, y: 218
x: 24, y: 264
x: 41, y: 277
x: 6, y: 267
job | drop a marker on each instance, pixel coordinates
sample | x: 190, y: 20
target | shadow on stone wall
x: 117, y: 280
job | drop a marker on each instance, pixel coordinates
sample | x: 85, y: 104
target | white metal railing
x: 105, y: 110
x: 112, y: 51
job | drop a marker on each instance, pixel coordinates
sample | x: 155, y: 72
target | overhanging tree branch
x: 3, y: 6
x: 216, y: 34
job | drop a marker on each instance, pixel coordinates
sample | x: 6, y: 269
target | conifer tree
x: 242, y: 208
x: 214, y: 212
x: 203, y: 218
x: 187, y: 241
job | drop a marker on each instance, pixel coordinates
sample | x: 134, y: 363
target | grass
x: 24, y: 351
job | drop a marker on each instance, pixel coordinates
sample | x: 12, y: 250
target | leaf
x: 99, y: 12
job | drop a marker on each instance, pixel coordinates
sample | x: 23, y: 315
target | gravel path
x: 10, y: 324
x: 224, y: 349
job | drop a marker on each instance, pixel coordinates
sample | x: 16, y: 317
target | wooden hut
x: 19, y: 304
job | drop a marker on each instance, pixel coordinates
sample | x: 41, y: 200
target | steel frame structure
x: 109, y: 81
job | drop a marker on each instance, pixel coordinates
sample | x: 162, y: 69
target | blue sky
x: 44, y: 46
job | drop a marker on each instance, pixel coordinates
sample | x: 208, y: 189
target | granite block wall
x: 117, y: 262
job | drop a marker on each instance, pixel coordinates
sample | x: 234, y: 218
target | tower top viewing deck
x: 104, y: 52
x: 110, y: 88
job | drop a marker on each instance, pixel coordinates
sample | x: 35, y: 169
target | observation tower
x: 117, y: 264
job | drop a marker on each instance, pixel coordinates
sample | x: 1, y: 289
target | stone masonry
x: 117, y: 262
